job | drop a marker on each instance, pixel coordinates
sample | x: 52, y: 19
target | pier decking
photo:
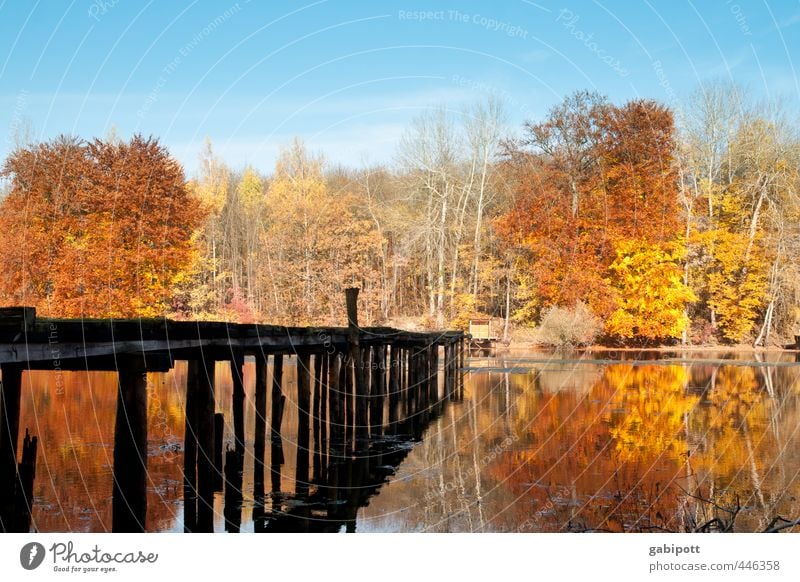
x: 363, y: 395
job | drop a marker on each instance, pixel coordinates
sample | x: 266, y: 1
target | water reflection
x: 581, y: 446
x: 615, y: 441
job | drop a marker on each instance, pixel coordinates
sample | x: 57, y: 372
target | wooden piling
x: 394, y: 387
x: 336, y: 409
x: 259, y: 439
x: 303, y: 405
x: 448, y: 371
x: 323, y: 413
x: 424, y: 390
x: 377, y: 390
x: 315, y: 415
x: 207, y: 474
x: 433, y: 352
x: 27, y: 475
x: 357, y: 356
x: 278, y: 403
x: 10, y: 391
x: 347, y: 386
x: 190, y: 448
x: 232, y: 510
x: 237, y: 376
x: 461, y: 365
x: 219, y: 431
x: 129, y: 499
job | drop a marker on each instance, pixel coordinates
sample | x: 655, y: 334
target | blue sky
x: 347, y: 77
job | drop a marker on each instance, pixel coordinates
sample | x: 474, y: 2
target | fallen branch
x: 773, y: 526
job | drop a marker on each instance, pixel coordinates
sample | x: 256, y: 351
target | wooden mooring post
x: 237, y: 377
x: 207, y: 470
x: 190, y: 448
x: 260, y: 437
x: 129, y: 498
x: 276, y: 442
x: 10, y: 391
x: 303, y: 406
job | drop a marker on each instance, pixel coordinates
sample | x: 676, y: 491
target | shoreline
x: 740, y: 348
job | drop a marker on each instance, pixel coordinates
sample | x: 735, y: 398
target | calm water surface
x: 615, y: 441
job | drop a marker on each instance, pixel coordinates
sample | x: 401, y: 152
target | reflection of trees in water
x: 74, y: 483
x: 657, y: 447
x: 616, y: 447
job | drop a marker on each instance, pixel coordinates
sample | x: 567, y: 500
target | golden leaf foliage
x: 651, y: 297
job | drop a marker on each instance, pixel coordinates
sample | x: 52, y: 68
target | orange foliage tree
x: 97, y: 229
x: 590, y: 179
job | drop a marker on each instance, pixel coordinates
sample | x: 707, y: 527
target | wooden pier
x: 363, y: 396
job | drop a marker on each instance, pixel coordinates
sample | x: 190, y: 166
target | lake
x: 607, y: 441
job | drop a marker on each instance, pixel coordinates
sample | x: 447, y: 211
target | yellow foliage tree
x: 655, y: 405
x: 651, y: 297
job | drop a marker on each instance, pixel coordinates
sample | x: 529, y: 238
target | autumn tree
x: 314, y: 245
x: 98, y: 229
x: 593, y: 180
x: 739, y: 164
x: 650, y: 295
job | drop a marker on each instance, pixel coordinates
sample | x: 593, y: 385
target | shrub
x: 568, y: 327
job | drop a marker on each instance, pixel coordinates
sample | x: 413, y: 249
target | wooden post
x: 377, y: 390
x: 219, y: 431
x: 351, y: 298
x: 360, y: 377
x: 27, y: 474
x: 190, y: 448
x: 448, y: 371
x: 315, y: 415
x: 232, y: 509
x: 323, y: 414
x: 363, y: 380
x: 207, y: 474
x: 346, y: 385
x: 278, y: 402
x: 10, y: 393
x: 303, y: 404
x: 259, y: 439
x: 433, y: 352
x: 237, y: 375
x: 336, y: 414
x: 412, y: 386
x: 129, y: 499
x: 394, y: 386
x: 424, y: 376
x: 462, y: 364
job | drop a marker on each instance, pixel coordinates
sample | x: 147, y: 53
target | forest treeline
x: 625, y: 223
